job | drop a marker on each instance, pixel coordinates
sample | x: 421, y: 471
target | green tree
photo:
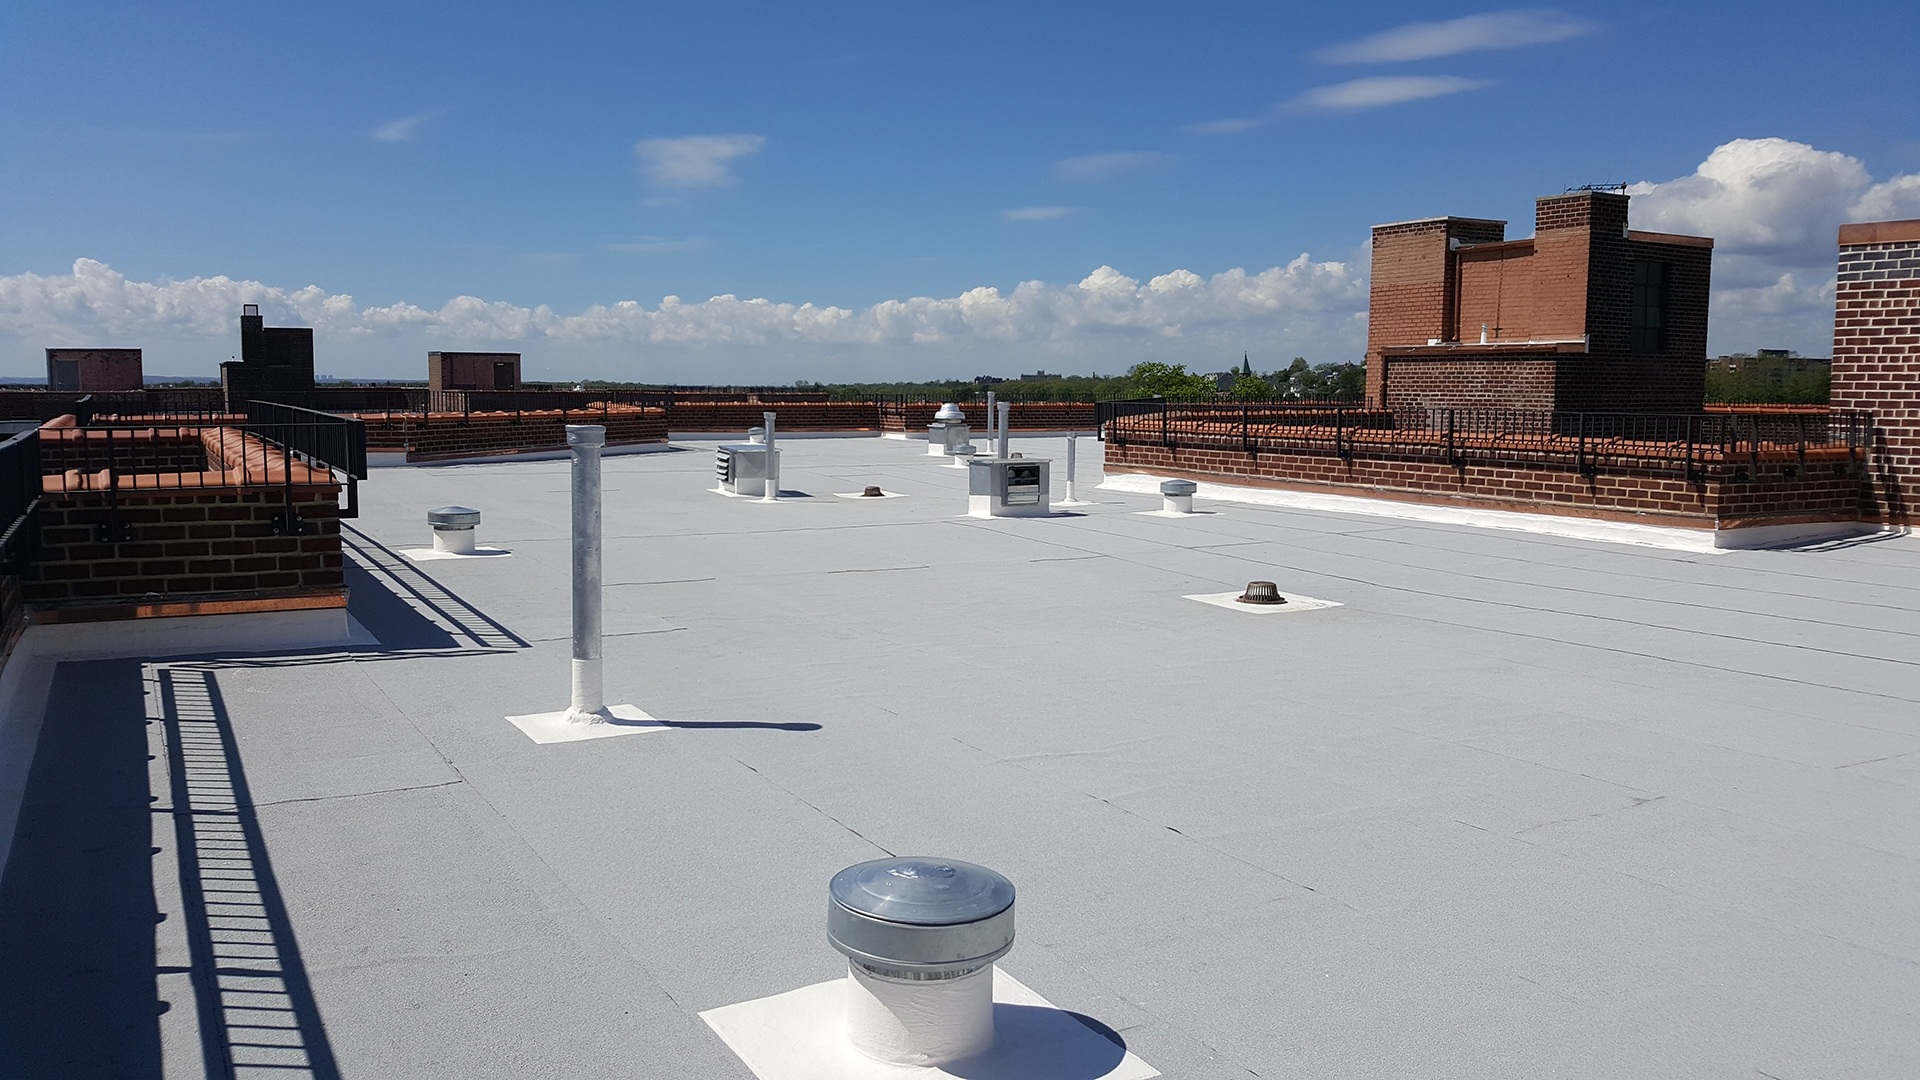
x: 1151, y: 378
x: 1250, y: 387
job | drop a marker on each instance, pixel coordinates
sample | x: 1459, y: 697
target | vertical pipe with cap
x: 773, y: 463
x: 992, y: 429
x: 589, y: 694
x: 1071, y: 440
x: 1006, y: 407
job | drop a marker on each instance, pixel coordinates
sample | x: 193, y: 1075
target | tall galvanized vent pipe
x: 589, y: 693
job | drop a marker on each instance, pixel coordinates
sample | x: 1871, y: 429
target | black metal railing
x: 1735, y: 442
x: 19, y: 500
x: 322, y: 441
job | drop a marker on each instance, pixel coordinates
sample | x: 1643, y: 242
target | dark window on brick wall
x: 1649, y: 307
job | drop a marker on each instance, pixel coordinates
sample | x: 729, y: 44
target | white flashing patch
x: 864, y: 495
x: 430, y: 554
x: 1295, y: 602
x: 801, y: 1035
x: 786, y: 495
x: 553, y: 727
x: 1612, y: 532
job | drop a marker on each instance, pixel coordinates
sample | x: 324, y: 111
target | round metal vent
x: 924, y: 915
x: 453, y: 517
x: 873, y: 492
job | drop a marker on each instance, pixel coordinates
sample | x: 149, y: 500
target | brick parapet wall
x: 913, y: 417
x: 792, y: 415
x: 1778, y: 492
x: 1876, y: 352
x: 443, y: 435
x: 195, y: 543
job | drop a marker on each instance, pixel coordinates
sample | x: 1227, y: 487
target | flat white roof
x: 1522, y: 806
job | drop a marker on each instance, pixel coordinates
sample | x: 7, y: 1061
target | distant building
x: 473, y: 371
x: 1586, y: 315
x: 1792, y: 363
x: 87, y: 370
x: 273, y: 359
x: 1038, y: 375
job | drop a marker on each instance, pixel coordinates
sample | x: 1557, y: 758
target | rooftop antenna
x: 1617, y: 189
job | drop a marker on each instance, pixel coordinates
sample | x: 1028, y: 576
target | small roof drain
x: 1262, y: 592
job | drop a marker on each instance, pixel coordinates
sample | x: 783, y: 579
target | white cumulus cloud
x: 1472, y: 33
x: 1774, y: 208
x: 1310, y: 305
x: 1096, y: 167
x: 1376, y: 91
x: 695, y: 161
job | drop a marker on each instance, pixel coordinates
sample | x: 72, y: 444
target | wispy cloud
x: 651, y: 245
x: 1095, y: 167
x: 1473, y: 33
x: 1038, y: 213
x: 695, y: 161
x: 1233, y: 126
x: 1372, y: 93
x: 403, y: 129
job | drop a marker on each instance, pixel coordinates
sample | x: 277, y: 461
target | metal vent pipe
x: 920, y: 936
x: 773, y: 463
x: 589, y: 693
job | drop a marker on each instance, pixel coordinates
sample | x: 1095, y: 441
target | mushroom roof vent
x: 920, y: 913
x: 453, y: 517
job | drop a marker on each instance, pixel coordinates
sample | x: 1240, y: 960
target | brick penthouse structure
x: 87, y: 370
x: 473, y: 371
x: 1876, y: 352
x: 273, y: 359
x: 1584, y: 316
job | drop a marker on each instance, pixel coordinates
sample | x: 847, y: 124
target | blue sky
x: 541, y: 178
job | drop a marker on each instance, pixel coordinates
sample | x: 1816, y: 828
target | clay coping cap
x: 1880, y: 232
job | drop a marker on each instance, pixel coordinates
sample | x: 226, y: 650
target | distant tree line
x: 1174, y: 382
x: 1771, y: 379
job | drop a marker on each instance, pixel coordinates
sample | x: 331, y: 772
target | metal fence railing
x: 322, y: 441
x: 1583, y: 441
x: 19, y: 500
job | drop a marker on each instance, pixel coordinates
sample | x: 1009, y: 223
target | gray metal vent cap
x: 1178, y: 487
x: 920, y: 913
x: 949, y: 411
x: 453, y: 517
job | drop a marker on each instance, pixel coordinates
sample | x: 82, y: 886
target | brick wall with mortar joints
x: 1473, y: 381
x: 1780, y: 491
x: 186, y: 543
x: 458, y: 434
x: 1876, y: 362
